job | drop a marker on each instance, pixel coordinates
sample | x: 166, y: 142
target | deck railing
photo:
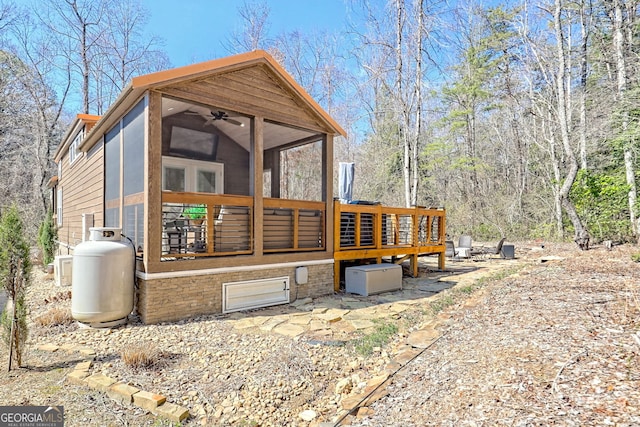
x: 293, y: 225
x: 381, y: 227
x: 374, y: 231
x: 226, y: 226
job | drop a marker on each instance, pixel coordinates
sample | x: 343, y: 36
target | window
x: 112, y: 177
x: 133, y: 150
x: 192, y: 175
x: 59, y: 207
x: 74, y: 153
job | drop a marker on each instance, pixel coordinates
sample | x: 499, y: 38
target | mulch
x: 556, y: 344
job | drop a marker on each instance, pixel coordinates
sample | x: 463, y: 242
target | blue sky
x: 194, y: 30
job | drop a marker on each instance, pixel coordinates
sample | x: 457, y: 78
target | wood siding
x: 82, y: 192
x: 253, y: 91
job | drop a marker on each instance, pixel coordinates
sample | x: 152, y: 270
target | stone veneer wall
x: 170, y: 299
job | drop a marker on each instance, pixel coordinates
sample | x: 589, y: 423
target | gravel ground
x: 552, y: 345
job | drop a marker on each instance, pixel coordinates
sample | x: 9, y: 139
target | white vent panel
x: 250, y: 294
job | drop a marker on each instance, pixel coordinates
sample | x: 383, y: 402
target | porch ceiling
x: 273, y: 134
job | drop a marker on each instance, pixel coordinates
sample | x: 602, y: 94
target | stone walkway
x: 334, y: 315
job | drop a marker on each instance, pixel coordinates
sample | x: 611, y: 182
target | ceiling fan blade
x: 235, y: 122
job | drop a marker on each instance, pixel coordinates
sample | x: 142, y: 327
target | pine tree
x: 15, y: 275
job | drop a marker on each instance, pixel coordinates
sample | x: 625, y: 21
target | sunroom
x: 221, y: 174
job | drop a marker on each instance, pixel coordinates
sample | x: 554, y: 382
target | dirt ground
x: 554, y: 341
x: 556, y: 344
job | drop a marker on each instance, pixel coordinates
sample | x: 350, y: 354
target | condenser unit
x: 62, y: 269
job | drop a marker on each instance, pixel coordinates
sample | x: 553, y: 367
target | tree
x: 255, y: 28
x: 37, y: 131
x: 47, y: 236
x: 581, y: 235
x: 47, y: 52
x: 15, y: 274
x: 620, y: 49
x: 75, y: 26
x: 123, y: 51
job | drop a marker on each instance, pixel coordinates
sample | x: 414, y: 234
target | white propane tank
x: 102, y: 279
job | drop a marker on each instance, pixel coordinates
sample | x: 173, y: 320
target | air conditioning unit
x: 373, y: 279
x: 62, y: 269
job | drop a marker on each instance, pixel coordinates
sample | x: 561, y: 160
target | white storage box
x: 373, y: 278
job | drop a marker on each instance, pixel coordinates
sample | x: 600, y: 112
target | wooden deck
x: 361, y: 232
x: 371, y: 232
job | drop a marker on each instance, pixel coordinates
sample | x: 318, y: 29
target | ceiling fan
x: 213, y: 116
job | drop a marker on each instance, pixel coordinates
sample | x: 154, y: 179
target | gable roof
x: 139, y: 85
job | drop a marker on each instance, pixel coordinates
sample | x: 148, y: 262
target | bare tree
x: 123, y: 51
x: 253, y: 35
x: 36, y: 116
x: 619, y: 45
x: 585, y: 29
x: 76, y: 28
x: 581, y: 235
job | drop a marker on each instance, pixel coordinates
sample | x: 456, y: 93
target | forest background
x: 521, y: 118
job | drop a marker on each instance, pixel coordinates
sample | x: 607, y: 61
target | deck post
x: 336, y: 244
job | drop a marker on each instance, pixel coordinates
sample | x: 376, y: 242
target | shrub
x: 601, y: 200
x: 47, y: 236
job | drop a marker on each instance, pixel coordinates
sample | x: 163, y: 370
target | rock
x: 422, y: 338
x: 362, y: 323
x: 308, y: 415
x: 301, y: 302
x: 344, y: 386
x: 288, y: 330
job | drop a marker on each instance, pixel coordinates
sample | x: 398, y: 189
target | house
x: 221, y: 173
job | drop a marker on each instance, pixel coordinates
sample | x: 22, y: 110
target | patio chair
x: 176, y: 236
x: 450, y: 251
x: 465, y: 248
x: 496, y: 250
x: 464, y: 241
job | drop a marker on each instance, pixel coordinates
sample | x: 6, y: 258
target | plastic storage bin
x: 373, y: 278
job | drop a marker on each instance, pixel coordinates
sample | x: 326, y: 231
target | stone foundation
x: 166, y: 299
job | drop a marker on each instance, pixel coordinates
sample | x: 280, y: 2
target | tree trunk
x: 418, y: 126
x: 619, y: 47
x: 581, y: 235
x: 13, y: 329
x: 401, y: 106
x: 583, y: 83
